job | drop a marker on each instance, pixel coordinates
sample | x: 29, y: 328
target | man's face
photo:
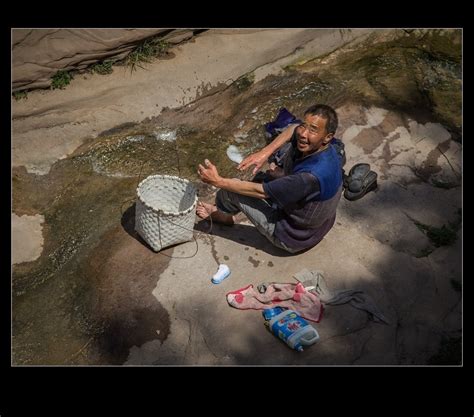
x: 312, y: 134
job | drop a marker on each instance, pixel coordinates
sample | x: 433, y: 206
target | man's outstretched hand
x: 208, y: 173
x: 257, y: 159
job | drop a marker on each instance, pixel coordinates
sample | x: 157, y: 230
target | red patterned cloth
x: 291, y: 296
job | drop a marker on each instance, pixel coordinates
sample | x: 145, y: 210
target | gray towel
x: 356, y: 298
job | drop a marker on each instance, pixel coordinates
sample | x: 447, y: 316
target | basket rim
x: 167, y: 213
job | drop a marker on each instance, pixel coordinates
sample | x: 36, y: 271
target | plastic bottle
x: 293, y: 329
x: 269, y: 313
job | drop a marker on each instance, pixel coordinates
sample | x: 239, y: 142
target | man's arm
x: 251, y: 189
x: 209, y: 175
x: 260, y: 157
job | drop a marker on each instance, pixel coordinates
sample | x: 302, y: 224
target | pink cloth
x: 292, y: 296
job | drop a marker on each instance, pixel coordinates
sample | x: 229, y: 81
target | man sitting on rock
x: 295, y: 205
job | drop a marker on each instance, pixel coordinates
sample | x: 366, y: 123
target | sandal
x: 359, y: 182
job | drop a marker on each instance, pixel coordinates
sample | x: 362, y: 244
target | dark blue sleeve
x: 291, y: 189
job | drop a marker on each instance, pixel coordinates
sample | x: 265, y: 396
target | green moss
x: 195, y: 147
x: 419, y: 74
x: 439, y: 236
x: 444, y: 44
x: 444, y: 185
x: 244, y: 82
x: 50, y: 294
x: 20, y: 95
x: 61, y: 79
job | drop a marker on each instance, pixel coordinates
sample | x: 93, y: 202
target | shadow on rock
x: 128, y: 223
x: 243, y: 234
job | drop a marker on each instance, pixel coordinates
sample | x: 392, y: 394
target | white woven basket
x: 165, y: 210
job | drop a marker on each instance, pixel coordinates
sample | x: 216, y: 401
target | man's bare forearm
x: 248, y: 188
x: 280, y: 140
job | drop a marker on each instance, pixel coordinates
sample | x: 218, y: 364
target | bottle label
x: 288, y: 324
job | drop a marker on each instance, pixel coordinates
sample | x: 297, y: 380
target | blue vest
x: 326, y: 167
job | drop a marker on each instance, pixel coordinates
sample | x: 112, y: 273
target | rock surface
x: 98, y: 294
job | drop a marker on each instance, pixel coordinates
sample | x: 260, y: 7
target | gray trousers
x: 258, y: 211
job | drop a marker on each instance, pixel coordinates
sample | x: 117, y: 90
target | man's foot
x: 204, y: 210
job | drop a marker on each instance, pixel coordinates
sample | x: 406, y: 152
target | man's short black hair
x: 326, y: 112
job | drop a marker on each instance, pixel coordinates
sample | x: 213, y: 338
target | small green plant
x: 61, y: 79
x: 18, y: 95
x: 244, y: 82
x: 441, y: 184
x: 144, y: 53
x: 104, y: 67
x: 439, y: 236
